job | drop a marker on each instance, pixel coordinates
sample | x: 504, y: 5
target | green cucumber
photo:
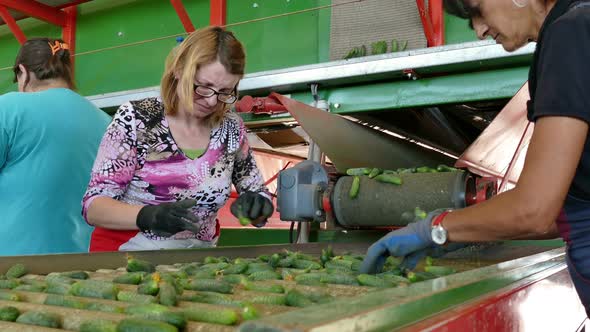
x: 9, y: 314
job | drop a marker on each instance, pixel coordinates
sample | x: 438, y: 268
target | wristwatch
x: 438, y: 232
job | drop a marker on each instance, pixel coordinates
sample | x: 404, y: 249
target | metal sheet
x: 349, y: 144
x: 494, y: 152
x: 445, y: 59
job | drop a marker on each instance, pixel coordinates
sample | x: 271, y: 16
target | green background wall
x: 270, y: 44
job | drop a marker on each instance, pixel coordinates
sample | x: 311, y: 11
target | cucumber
x: 9, y: 314
x: 374, y: 172
x: 372, y: 281
x: 266, y: 288
x: 249, y: 312
x: 9, y: 296
x: 95, y: 288
x: 269, y: 299
x: 354, y: 187
x: 306, y: 264
x: 56, y: 277
x: 167, y: 294
x: 133, y: 297
x: 264, y: 275
x: 158, y: 312
x: 64, y: 301
x: 58, y: 288
x: 130, y: 278
x: 416, y: 276
x: 30, y: 288
x: 312, y: 279
x: 149, y: 287
x: 295, y: 298
x: 98, y: 325
x: 358, y: 171
x: 40, y: 318
x: 235, y: 269
x: 216, y: 316
x: 234, y: 279
x: 389, y: 178
x: 138, y: 265
x: 257, y: 267
x: 142, y: 325
x: 212, y: 298
x: 16, y: 271
x: 339, y: 279
x: 209, y: 285
x: 439, y: 271
x: 104, y: 307
x: 9, y: 283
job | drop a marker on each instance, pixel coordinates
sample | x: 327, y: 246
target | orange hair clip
x: 57, y: 46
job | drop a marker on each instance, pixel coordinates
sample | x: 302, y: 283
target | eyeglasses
x: 204, y: 91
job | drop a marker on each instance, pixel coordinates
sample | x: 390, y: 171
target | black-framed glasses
x: 205, y: 91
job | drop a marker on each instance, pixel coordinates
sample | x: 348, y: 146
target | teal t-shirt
x: 48, y: 142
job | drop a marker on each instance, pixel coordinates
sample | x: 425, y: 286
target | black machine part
x: 382, y: 204
x: 300, y: 192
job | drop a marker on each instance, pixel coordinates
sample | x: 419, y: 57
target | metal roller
x: 382, y: 204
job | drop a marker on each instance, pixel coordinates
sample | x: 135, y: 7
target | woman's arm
x: 112, y: 172
x: 246, y: 176
x: 530, y: 209
x: 109, y: 213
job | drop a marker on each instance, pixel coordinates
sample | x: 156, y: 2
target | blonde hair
x: 202, y: 47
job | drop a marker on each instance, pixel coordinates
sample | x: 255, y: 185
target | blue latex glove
x: 412, y: 242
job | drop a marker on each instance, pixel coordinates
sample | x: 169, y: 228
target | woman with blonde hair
x: 166, y: 165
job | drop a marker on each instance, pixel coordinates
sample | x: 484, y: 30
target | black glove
x: 252, y: 206
x: 168, y: 219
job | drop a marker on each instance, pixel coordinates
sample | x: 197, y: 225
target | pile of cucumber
x: 389, y: 176
x: 217, y: 290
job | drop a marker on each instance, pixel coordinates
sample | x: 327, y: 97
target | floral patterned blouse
x: 138, y: 162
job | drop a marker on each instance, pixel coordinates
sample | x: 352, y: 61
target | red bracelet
x: 438, y: 220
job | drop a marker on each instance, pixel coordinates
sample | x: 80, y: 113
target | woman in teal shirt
x: 49, y: 136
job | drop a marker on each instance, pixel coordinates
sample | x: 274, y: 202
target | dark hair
x: 46, y: 57
x: 457, y: 8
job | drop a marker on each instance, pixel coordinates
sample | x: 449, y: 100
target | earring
x: 518, y: 4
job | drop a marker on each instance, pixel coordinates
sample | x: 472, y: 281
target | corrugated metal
x: 365, y: 22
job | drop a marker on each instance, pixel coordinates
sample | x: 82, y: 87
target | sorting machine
x: 514, y: 285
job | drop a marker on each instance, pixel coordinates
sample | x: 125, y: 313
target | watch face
x: 439, y: 235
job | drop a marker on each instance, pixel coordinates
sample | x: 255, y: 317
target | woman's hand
x: 168, y: 219
x: 252, y: 208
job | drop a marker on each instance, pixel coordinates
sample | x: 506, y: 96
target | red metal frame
x: 37, y: 10
x: 69, y: 31
x: 9, y: 20
x: 183, y: 15
x: 432, y: 17
x: 217, y: 12
x: 65, y: 18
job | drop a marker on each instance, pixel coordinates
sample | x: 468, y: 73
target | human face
x: 216, y: 77
x: 510, y: 23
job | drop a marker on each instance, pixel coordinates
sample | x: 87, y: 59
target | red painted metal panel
x: 183, y: 15
x: 72, y: 3
x: 37, y: 10
x: 7, y: 18
x: 69, y: 31
x: 435, y: 10
x: 548, y: 303
x: 217, y: 12
x: 432, y: 21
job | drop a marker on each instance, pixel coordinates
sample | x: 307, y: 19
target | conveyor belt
x: 352, y: 304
